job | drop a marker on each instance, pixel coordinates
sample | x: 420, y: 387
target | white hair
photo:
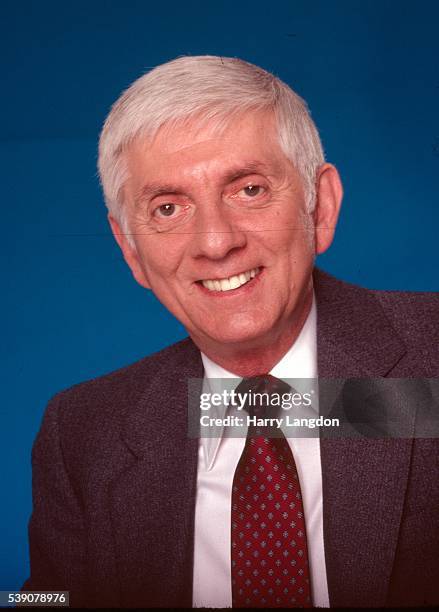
x: 215, y: 90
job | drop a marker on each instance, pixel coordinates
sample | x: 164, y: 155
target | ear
x: 329, y: 194
x: 129, y: 252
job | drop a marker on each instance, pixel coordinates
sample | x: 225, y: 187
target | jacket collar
x: 354, y: 337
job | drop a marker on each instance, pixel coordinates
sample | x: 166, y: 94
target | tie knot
x: 263, y: 394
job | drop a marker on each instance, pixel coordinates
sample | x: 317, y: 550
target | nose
x: 216, y: 233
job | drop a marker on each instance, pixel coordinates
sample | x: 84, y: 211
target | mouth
x: 231, y: 282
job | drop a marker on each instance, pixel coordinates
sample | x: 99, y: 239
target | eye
x: 165, y: 210
x: 252, y: 191
x: 169, y: 214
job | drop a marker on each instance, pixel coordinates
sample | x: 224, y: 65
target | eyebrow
x: 153, y: 189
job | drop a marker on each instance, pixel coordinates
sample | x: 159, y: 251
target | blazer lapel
x: 364, y: 480
x: 153, y: 502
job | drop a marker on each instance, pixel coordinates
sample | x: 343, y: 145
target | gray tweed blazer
x: 114, y: 473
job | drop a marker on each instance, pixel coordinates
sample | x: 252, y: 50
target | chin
x: 239, y: 332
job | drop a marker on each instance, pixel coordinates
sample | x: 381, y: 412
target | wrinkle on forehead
x: 201, y: 129
x: 189, y: 133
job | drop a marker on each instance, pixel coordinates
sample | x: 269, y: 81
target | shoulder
x: 396, y: 304
x: 330, y: 287
x: 413, y: 316
x: 406, y: 306
x: 106, y: 399
x: 132, y: 378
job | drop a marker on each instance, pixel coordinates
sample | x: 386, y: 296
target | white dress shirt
x: 217, y: 461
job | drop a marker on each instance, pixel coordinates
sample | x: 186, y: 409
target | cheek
x: 296, y: 243
x: 161, y: 256
x: 301, y: 237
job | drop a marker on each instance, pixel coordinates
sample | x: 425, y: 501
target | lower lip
x: 241, y: 290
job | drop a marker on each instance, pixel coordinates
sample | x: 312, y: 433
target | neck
x: 254, y: 359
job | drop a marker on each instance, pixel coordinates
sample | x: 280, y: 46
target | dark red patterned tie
x: 269, y: 550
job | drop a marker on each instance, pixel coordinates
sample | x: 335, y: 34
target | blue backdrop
x: 369, y: 71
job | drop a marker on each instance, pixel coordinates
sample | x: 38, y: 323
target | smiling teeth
x: 233, y: 282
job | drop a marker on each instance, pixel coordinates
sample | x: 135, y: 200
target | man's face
x: 221, y: 232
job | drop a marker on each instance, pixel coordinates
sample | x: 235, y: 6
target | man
x: 220, y: 199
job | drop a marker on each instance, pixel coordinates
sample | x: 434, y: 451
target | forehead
x: 249, y: 139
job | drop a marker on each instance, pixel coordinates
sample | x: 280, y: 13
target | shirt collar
x: 299, y: 362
